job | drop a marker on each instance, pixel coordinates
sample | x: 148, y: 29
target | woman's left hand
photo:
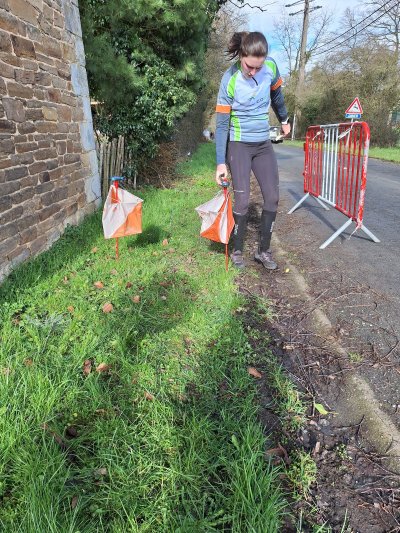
x: 285, y: 129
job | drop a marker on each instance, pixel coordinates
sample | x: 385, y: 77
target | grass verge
x: 142, y: 418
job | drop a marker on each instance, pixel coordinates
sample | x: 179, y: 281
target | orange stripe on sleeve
x: 223, y: 108
x: 276, y: 85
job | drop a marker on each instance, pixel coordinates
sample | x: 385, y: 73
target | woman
x: 247, y: 89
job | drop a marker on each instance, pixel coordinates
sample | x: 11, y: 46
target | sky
x: 258, y: 21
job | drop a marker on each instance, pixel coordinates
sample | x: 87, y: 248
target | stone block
x: 34, y: 114
x: 58, y: 19
x: 5, y: 203
x: 23, y: 195
x: 43, y: 78
x: 26, y: 77
x: 71, y: 158
x: 87, y: 136
x: 45, y: 153
x: 52, y: 164
x: 47, y: 127
x: 9, y: 22
x: 24, y: 10
x: 47, y: 212
x: 19, y: 255
x: 7, y: 71
x: 11, y: 215
x: 29, y: 181
x: 49, y: 113
x: 26, y: 147
x: 26, y: 127
x: 14, y: 109
x: 43, y: 188
x: 27, y: 221
x: 54, y: 95
x: 38, y: 167
x: 22, y: 159
x: 38, y: 245
x: 23, y: 47
x: 79, y: 80
x: 71, y: 18
x: 16, y: 173
x: 64, y: 113
x: 7, y: 146
x: 10, y: 187
x: 28, y: 235
x: 6, y: 126
x: 19, y: 90
x: 49, y: 47
x: 8, y: 246
x: 5, y: 42
x: 33, y: 33
x: 7, y: 231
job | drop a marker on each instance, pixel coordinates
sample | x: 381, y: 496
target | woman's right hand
x: 221, y: 174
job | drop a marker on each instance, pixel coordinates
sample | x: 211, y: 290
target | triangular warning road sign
x: 355, y: 107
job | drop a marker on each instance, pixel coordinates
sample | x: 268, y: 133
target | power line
x: 355, y: 26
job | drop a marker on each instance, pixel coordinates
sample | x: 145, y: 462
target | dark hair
x: 244, y: 44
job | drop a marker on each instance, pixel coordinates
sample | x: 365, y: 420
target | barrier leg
x: 322, y: 203
x: 298, y: 204
x: 336, y: 234
x: 370, y: 234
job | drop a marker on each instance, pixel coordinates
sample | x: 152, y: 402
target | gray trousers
x: 244, y: 157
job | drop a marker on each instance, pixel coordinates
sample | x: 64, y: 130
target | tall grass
x: 166, y: 439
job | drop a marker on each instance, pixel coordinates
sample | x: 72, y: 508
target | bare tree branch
x: 252, y: 7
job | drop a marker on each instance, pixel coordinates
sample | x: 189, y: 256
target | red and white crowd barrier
x: 335, y: 171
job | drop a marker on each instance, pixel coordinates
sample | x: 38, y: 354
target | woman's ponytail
x: 245, y: 44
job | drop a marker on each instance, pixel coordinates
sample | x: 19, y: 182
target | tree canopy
x: 144, y: 63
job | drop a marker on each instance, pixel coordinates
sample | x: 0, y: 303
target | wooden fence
x: 113, y: 157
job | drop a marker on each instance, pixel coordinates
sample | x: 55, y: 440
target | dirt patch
x: 354, y: 484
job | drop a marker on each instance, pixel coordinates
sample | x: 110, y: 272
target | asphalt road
x: 359, y: 279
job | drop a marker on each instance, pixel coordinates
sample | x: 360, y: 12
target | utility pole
x: 302, y: 59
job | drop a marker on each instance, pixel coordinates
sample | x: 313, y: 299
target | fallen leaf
x: 98, y: 284
x: 165, y: 242
x: 287, y: 270
x: 164, y: 283
x: 71, y: 431
x: 71, y: 308
x: 103, y: 367
x: 100, y: 472
x: 94, y: 250
x: 6, y: 371
x: 28, y: 362
x: 128, y: 285
x: 87, y: 367
x: 320, y: 408
x: 55, y: 436
x: 74, y: 502
x: 171, y: 250
x: 107, y: 307
x: 113, y: 272
x: 155, y: 253
x: 148, y: 396
x: 135, y: 299
x: 254, y: 372
x: 317, y: 448
x: 163, y: 297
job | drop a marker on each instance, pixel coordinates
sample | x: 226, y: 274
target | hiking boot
x: 237, y: 259
x: 265, y: 258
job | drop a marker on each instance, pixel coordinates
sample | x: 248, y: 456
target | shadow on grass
x: 151, y: 235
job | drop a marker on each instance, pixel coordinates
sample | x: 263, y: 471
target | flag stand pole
x: 116, y: 240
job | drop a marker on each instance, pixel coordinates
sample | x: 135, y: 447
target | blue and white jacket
x: 243, y: 104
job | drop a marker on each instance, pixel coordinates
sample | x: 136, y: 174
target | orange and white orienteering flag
x: 217, y: 218
x: 122, y: 214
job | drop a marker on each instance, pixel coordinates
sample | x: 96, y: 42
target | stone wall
x: 48, y: 165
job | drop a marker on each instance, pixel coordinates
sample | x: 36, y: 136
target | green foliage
x: 144, y: 63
